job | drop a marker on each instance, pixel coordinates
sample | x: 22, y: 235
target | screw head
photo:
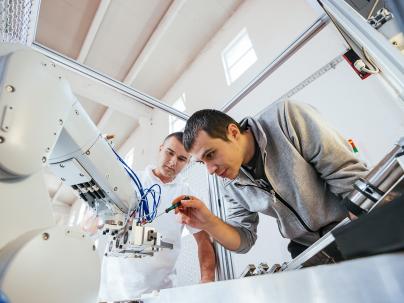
x: 87, y: 152
x: 81, y: 175
x: 63, y: 179
x: 43, y: 159
x: 45, y: 236
x: 76, y: 112
x: 62, y: 165
x: 10, y: 89
x: 115, y: 188
x: 2, y: 139
x: 60, y: 122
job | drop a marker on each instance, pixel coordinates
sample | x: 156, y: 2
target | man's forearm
x: 225, y: 234
x: 206, y: 255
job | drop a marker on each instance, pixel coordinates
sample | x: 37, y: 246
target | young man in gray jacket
x: 288, y: 164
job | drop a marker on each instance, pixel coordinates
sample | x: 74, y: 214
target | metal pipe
x: 225, y: 269
x: 313, y: 250
x: 108, y: 81
x: 301, y: 40
x: 382, y: 176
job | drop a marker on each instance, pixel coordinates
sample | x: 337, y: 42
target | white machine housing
x: 43, y: 124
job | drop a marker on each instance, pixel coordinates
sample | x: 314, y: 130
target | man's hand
x: 194, y: 212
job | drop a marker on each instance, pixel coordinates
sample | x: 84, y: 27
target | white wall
x: 271, y: 25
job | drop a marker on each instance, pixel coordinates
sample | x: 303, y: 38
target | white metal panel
x: 126, y: 27
x: 63, y: 24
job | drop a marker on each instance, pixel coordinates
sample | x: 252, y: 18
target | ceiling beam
x: 93, y: 30
x: 154, y: 39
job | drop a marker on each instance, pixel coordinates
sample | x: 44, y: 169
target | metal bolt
x: 10, y: 107
x: 43, y: 64
x: 63, y: 179
x: 53, y: 64
x: 45, y: 236
x: 83, y: 236
x: 62, y: 165
x: 60, y: 121
x: 2, y: 139
x: 76, y: 112
x: 47, y: 149
x: 10, y: 89
x: 394, y: 43
x: 54, y: 134
x: 87, y: 152
x: 68, y: 231
x: 43, y: 159
x: 115, y: 188
x: 81, y: 175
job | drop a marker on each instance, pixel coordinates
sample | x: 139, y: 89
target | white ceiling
x: 147, y: 44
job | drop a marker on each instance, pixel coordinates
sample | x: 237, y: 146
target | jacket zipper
x: 275, y: 197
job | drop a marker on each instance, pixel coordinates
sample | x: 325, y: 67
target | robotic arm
x: 43, y: 124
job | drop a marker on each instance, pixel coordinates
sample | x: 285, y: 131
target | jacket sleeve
x: 244, y: 221
x: 322, y: 146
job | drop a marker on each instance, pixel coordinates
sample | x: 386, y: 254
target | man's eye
x: 170, y: 153
x: 209, y: 156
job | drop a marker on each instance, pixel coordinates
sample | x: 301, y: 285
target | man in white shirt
x: 128, y: 278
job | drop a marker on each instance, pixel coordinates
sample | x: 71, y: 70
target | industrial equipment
x: 42, y: 124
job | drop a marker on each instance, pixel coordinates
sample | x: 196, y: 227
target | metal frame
x: 36, y: 4
x: 125, y: 89
x: 386, y: 56
x: 225, y: 269
x: 298, y: 43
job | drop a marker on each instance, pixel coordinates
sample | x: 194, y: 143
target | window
x: 238, y: 56
x: 176, y: 124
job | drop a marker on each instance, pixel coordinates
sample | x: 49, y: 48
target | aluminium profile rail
x: 123, y: 88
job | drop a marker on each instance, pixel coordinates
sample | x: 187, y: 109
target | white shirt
x: 128, y: 278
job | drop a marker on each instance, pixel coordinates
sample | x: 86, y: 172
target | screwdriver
x: 174, y: 206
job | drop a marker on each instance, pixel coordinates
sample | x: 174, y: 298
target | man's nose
x: 211, y: 168
x: 173, y: 161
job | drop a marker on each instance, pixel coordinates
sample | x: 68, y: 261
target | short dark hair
x: 177, y: 135
x: 212, y: 121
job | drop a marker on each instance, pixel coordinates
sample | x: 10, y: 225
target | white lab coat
x: 128, y: 278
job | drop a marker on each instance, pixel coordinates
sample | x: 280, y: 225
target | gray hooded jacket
x: 310, y: 167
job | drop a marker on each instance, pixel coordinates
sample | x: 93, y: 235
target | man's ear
x: 233, y: 131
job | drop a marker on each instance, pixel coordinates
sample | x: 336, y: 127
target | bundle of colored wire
x: 143, y: 210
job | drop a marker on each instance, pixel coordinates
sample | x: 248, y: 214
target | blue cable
x: 143, y: 207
